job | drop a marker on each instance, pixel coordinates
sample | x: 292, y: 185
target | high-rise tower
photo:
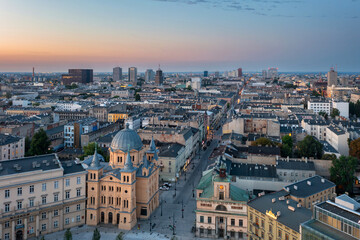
x: 133, y: 75
x: 332, y: 77
x: 117, y: 74
x: 159, y: 78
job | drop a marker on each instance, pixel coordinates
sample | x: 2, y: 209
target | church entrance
x: 19, y: 235
x: 102, y: 217
x: 221, y: 233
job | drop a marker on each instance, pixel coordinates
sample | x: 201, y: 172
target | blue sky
x: 181, y: 35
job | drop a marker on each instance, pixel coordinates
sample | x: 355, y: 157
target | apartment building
x: 40, y: 195
x: 339, y: 219
x: 171, y: 161
x: 315, y: 128
x: 338, y: 139
x: 74, y: 130
x: 11, y: 147
x: 319, y: 106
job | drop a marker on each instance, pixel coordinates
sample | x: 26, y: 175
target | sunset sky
x: 181, y: 35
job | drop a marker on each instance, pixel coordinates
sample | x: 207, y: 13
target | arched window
x: 118, y: 158
x: 220, y: 208
x: 91, y: 216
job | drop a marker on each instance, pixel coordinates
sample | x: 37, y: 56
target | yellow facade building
x: 126, y: 188
x: 115, y: 116
x: 271, y: 217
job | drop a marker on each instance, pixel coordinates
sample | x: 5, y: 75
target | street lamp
x: 161, y: 206
x: 182, y: 209
x: 150, y: 222
x: 193, y: 190
x: 175, y: 187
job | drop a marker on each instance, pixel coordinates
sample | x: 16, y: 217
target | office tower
x: 117, y: 74
x: 332, y: 77
x: 239, y: 72
x: 159, y: 78
x: 196, y: 83
x: 217, y: 74
x: 264, y: 74
x: 77, y: 76
x: 344, y: 81
x: 149, y: 75
x: 133, y: 75
x: 206, y: 73
x: 272, y: 73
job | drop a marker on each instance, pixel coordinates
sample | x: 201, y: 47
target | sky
x: 180, y: 35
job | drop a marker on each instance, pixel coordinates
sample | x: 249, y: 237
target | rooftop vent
x: 298, y: 205
x: 323, y: 180
x: 309, y: 183
x: 287, y: 201
x: 291, y: 208
x: 295, y: 187
x: 273, y: 200
x: 278, y: 214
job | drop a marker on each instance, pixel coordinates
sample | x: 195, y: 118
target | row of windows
x: 221, y: 220
x: 43, y: 187
x: 43, y: 200
x: 210, y: 231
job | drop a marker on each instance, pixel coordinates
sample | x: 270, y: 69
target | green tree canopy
x: 342, y: 173
x: 90, y: 149
x: 137, y: 97
x: 335, y: 112
x: 328, y: 157
x: 40, y: 144
x: 354, y: 148
x: 96, y: 235
x: 287, y: 145
x: 263, y: 142
x: 120, y: 236
x: 309, y: 147
x: 324, y: 114
x: 68, y: 235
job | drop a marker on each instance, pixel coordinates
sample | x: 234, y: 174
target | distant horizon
x: 180, y: 34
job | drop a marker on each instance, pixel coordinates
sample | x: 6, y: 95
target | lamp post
x: 182, y: 209
x: 173, y: 226
x: 175, y: 187
x: 161, y: 206
x: 150, y: 223
x: 193, y: 190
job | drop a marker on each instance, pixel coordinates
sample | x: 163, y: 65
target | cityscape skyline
x: 295, y: 36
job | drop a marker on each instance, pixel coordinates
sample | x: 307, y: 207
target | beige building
x: 221, y: 207
x: 127, y: 188
x: 40, y: 195
x: 11, y: 147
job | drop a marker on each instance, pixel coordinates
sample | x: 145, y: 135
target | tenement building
x: 339, y: 219
x: 40, y: 195
x: 126, y: 188
x: 272, y: 216
x: 221, y: 207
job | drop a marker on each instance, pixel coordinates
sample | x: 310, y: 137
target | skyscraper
x: 117, y: 74
x: 264, y: 74
x: 332, y: 77
x: 78, y: 76
x: 239, y: 73
x: 149, y: 75
x: 133, y: 75
x: 206, y: 73
x: 159, y: 78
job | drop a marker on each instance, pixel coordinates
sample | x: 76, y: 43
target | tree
x: 324, y: 114
x: 309, y: 147
x: 96, y: 235
x: 355, y: 148
x: 335, y: 112
x: 27, y: 145
x: 328, y: 157
x: 68, y: 235
x: 314, y: 93
x: 90, y: 149
x: 8, y: 95
x: 189, y: 88
x: 287, y: 140
x: 263, y: 142
x: 40, y: 143
x: 287, y: 145
x: 342, y: 173
x: 137, y: 97
x: 120, y: 236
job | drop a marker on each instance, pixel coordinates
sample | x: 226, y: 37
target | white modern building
x: 343, y: 107
x: 338, y: 139
x: 319, y: 106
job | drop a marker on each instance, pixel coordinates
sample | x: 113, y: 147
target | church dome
x: 126, y: 139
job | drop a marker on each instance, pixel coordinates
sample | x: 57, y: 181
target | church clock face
x: 221, y: 187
